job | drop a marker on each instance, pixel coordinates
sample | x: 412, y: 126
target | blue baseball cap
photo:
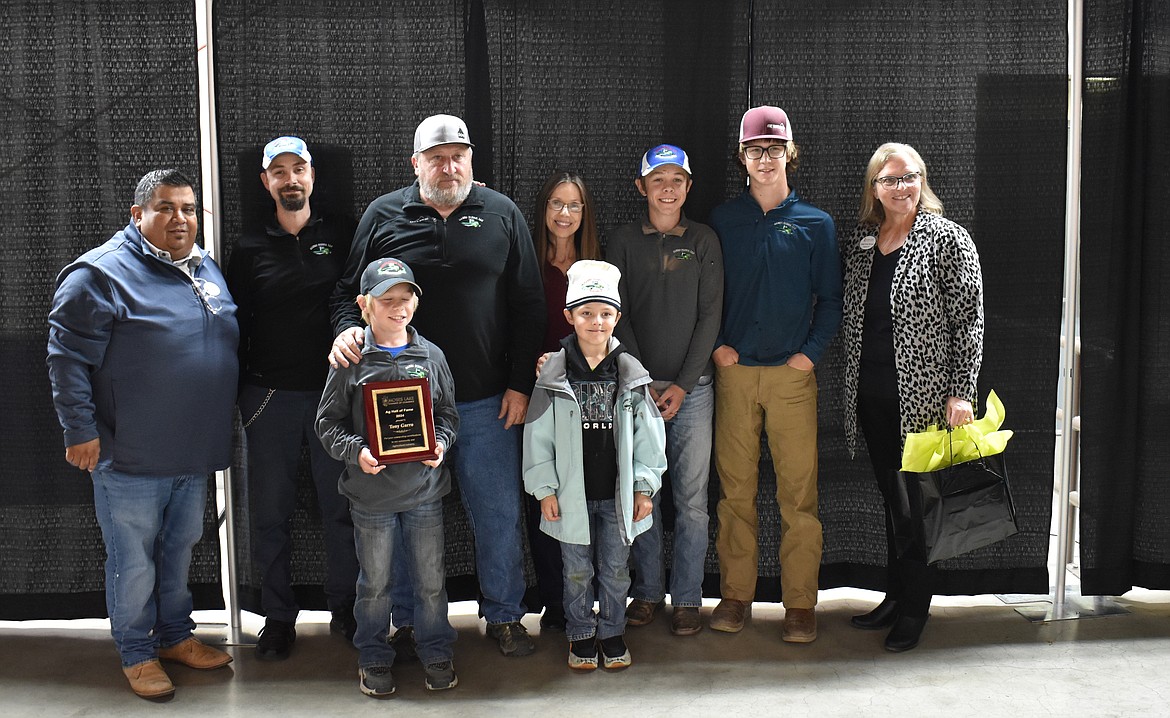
x: 280, y: 145
x: 665, y: 155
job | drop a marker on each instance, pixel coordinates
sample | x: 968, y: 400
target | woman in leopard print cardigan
x: 913, y: 338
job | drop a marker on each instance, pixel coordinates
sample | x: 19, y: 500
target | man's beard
x: 446, y: 197
x: 293, y: 202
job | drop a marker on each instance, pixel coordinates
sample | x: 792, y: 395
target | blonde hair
x: 370, y: 302
x: 872, y: 211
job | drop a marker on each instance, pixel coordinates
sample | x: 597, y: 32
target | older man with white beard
x: 472, y: 254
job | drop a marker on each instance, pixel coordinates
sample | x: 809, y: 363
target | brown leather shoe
x: 685, y: 621
x: 193, y: 654
x: 729, y: 615
x: 149, y: 680
x: 800, y: 625
x: 640, y: 612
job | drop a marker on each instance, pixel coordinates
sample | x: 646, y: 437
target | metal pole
x: 1062, y: 607
x: 213, y: 237
x: 1072, y: 233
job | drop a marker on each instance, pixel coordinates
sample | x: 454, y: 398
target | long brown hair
x: 585, y: 239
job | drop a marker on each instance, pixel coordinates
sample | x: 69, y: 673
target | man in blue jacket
x: 781, y: 307
x: 142, y: 362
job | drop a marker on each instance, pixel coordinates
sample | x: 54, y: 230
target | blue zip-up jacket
x: 782, y: 279
x: 140, y: 361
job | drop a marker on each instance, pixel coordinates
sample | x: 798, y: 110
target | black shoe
x: 403, y: 643
x: 882, y: 616
x: 276, y: 640
x: 512, y: 638
x: 553, y: 620
x: 343, y: 622
x: 905, y: 633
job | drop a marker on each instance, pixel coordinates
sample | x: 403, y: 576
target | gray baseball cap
x: 440, y: 130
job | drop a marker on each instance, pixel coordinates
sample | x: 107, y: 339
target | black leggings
x: 908, y: 576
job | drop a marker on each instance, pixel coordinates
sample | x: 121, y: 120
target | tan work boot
x: 194, y: 654
x: 800, y: 625
x: 149, y: 680
x: 729, y: 615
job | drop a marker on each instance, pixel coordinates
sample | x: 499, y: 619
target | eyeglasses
x: 910, y: 179
x: 556, y: 205
x: 208, y: 293
x: 755, y: 152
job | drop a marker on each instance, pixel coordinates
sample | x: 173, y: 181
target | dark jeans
x: 274, y: 451
x: 908, y: 576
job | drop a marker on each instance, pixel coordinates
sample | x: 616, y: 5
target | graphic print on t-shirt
x: 596, y: 399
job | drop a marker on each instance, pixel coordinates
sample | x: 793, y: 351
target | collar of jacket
x: 554, y: 375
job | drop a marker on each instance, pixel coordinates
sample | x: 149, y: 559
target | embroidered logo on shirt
x: 471, y: 221
x: 683, y: 254
x: 784, y: 227
x: 321, y: 249
x: 415, y: 371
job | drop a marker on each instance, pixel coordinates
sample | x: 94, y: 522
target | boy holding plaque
x: 391, y: 418
x: 594, y: 453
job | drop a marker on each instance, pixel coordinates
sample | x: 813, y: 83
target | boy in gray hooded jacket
x: 399, y: 503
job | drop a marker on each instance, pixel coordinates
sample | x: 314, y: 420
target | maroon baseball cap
x: 764, y: 122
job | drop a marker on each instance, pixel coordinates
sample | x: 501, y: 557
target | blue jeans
x: 150, y: 525
x: 274, y: 452
x: 486, y: 460
x: 612, y: 558
x: 383, y: 540
x: 688, y: 453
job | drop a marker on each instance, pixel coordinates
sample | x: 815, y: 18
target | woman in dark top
x: 565, y: 230
x: 913, y: 338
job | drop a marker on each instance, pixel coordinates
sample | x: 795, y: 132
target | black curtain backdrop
x: 1125, y: 494
x: 94, y: 95
x: 979, y: 90
x: 589, y: 87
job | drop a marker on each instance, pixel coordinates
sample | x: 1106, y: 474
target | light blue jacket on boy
x: 553, y: 447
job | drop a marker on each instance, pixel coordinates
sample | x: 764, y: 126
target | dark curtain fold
x: 94, y: 95
x: 1125, y: 338
x: 978, y: 88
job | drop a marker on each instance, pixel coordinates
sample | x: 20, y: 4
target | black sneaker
x: 403, y: 643
x: 441, y: 676
x: 583, y: 654
x: 343, y: 622
x: 376, y: 681
x: 614, y: 653
x: 512, y: 638
x: 276, y: 640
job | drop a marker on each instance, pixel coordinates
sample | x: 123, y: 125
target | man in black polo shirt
x: 472, y: 254
x: 282, y: 277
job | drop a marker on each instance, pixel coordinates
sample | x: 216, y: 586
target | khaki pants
x: 783, y: 401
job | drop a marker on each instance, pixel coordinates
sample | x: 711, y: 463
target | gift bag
x: 961, y: 507
x: 954, y: 485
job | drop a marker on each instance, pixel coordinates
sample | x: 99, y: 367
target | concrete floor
x: 978, y: 657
